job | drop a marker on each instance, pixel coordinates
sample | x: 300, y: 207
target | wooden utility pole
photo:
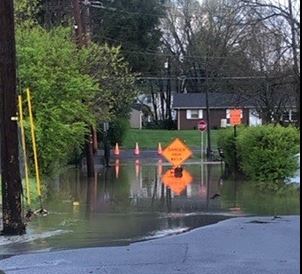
x: 296, y: 67
x: 209, y: 149
x: 81, y: 27
x: 10, y: 172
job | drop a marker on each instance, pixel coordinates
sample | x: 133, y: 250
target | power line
x: 199, y: 78
x: 99, y: 5
x: 154, y: 53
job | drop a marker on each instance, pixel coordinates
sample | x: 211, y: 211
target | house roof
x: 216, y: 100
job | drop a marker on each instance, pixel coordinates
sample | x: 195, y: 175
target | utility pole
x: 296, y: 59
x: 209, y: 150
x: 169, y: 114
x: 82, y: 40
x: 10, y: 172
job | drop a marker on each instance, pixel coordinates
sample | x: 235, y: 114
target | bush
x: 266, y: 153
x: 226, y: 142
x: 117, y: 131
x: 162, y: 124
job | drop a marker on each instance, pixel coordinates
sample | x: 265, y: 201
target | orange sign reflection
x: 177, y: 185
x: 177, y: 152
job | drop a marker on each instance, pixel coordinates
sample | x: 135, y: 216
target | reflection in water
x: 117, y: 168
x: 177, y: 184
x: 133, y: 203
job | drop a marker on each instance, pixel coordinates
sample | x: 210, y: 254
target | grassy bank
x: 149, y: 139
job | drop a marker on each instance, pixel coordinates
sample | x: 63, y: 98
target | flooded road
x: 135, y: 201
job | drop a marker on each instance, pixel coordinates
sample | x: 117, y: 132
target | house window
x: 194, y: 114
x: 294, y: 116
x: 286, y: 116
x: 289, y: 116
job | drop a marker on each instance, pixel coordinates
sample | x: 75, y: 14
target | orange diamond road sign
x: 177, y: 152
x: 235, y: 117
x: 177, y: 185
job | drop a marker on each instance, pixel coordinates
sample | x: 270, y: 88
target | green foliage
x: 71, y: 89
x: 26, y: 11
x: 50, y: 64
x: 266, y: 153
x: 117, y: 85
x: 226, y: 141
x: 118, y: 130
x: 132, y: 24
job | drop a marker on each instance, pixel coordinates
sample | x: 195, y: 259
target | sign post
x: 235, y: 120
x: 202, y: 126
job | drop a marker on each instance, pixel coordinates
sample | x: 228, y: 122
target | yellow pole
x: 24, y: 149
x: 32, y: 127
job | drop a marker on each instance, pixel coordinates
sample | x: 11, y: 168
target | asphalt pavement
x: 247, y: 245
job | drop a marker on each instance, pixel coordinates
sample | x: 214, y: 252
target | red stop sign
x: 202, y: 125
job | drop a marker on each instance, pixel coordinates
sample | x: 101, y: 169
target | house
x: 191, y: 108
x: 136, y: 116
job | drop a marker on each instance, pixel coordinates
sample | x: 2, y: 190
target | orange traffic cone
x: 136, y: 151
x: 116, y: 150
x: 159, y: 150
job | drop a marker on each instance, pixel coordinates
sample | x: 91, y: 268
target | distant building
x: 191, y: 108
x: 136, y: 116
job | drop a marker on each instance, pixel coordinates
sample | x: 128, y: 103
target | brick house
x: 191, y: 108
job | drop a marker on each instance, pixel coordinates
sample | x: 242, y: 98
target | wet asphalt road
x: 251, y: 245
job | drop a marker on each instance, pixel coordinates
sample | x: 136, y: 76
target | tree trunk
x: 10, y: 172
x: 90, y: 155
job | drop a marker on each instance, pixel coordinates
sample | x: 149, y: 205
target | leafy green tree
x: 133, y: 24
x: 71, y: 89
x: 50, y: 64
x: 117, y: 85
x: 113, y: 101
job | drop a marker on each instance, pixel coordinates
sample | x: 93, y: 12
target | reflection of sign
x: 235, y: 117
x: 202, y: 125
x: 177, y: 152
x: 177, y: 185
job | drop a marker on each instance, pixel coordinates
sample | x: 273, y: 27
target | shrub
x: 162, y: 124
x: 266, y: 153
x: 117, y: 130
x: 226, y: 141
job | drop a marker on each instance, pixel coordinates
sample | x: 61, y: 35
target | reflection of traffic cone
x: 159, y: 167
x: 116, y: 150
x: 117, y: 168
x: 137, y: 168
x: 136, y: 151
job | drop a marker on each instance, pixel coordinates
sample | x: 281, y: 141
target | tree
x: 26, y: 12
x: 133, y: 25
x: 117, y: 90
x: 289, y: 15
x: 10, y: 174
x: 50, y: 64
x: 71, y: 88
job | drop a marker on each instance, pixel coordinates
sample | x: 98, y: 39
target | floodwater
x: 137, y: 200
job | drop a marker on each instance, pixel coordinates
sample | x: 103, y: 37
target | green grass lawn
x: 149, y: 139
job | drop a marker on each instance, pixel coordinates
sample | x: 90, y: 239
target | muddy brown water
x: 137, y: 200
